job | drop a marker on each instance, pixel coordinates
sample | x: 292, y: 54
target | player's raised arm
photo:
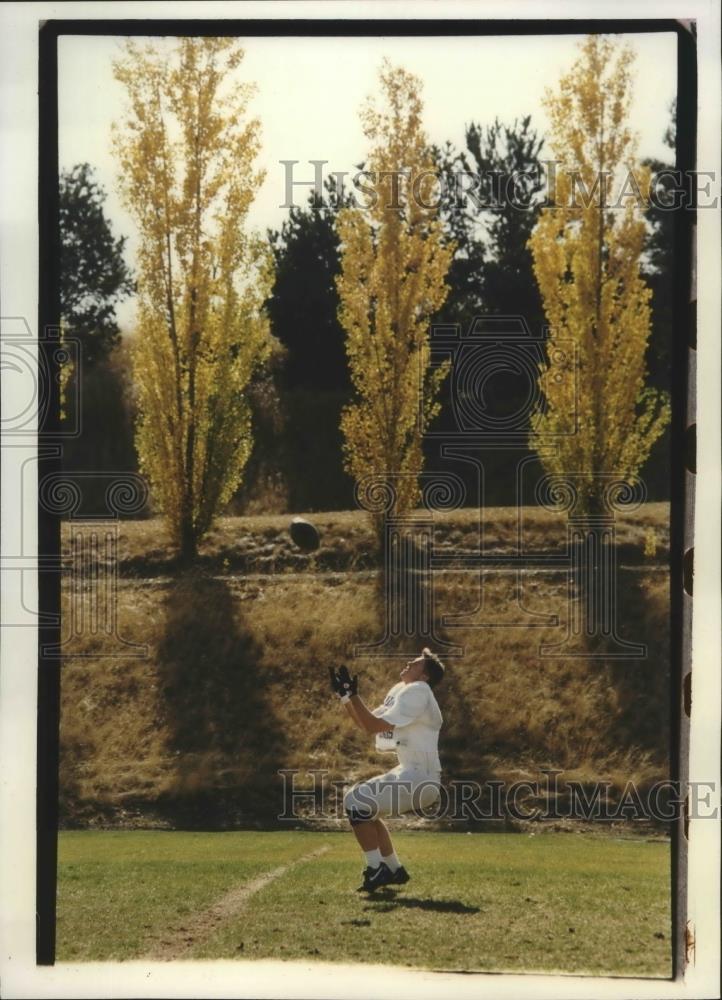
x: 356, y: 707
x: 346, y: 687
x: 341, y: 684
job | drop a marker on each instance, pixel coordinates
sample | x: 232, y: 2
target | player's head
x: 427, y: 667
x: 433, y: 667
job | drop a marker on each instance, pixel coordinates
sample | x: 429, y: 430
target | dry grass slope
x: 262, y: 544
x: 235, y: 687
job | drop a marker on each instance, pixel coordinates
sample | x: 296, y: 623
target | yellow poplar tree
x: 393, y: 264
x: 587, y: 249
x: 186, y: 151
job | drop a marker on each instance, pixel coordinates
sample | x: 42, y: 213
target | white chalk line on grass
x: 176, y: 942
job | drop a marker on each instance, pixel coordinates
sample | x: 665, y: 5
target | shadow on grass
x: 642, y: 685
x: 386, y: 902
x: 461, y: 726
x: 646, y: 691
x: 217, y: 700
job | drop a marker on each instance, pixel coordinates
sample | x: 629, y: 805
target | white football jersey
x: 416, y: 717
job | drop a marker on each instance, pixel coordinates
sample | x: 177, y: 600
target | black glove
x: 349, y: 684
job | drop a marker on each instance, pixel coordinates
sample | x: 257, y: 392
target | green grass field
x: 574, y: 903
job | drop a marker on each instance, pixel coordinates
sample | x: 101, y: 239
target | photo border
x: 48, y: 678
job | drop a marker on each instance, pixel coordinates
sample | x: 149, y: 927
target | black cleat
x: 400, y: 876
x: 374, y: 878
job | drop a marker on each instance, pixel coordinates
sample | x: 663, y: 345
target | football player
x: 407, y: 724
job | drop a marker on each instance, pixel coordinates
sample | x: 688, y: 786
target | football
x: 304, y: 534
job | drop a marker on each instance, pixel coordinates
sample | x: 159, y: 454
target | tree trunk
x: 188, y: 541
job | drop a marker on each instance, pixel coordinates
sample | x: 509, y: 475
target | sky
x: 310, y: 91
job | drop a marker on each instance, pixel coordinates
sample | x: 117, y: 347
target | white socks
x: 374, y: 859
x: 392, y: 861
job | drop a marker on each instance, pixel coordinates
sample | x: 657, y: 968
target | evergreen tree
x: 303, y: 304
x: 506, y: 159
x: 312, y: 379
x: 658, y: 266
x: 94, y: 277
